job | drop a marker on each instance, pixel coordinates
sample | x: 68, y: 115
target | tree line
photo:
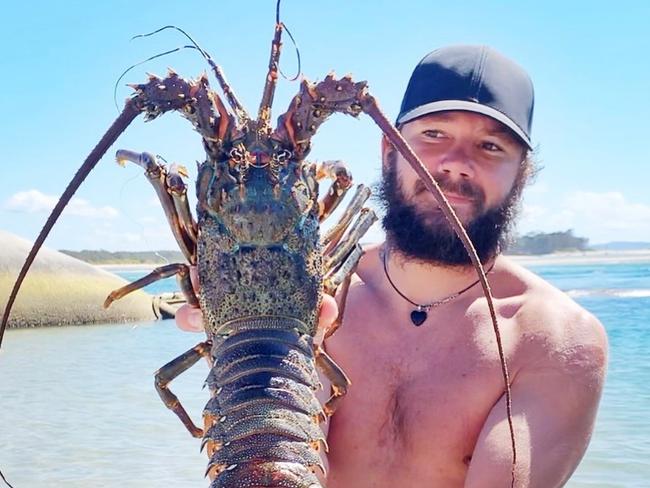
x: 126, y: 257
x: 546, y: 243
x: 532, y: 243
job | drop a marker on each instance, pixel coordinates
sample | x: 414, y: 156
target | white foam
x: 609, y: 292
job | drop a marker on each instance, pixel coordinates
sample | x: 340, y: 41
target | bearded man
x: 426, y: 407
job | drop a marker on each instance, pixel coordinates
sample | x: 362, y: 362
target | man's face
x: 477, y: 163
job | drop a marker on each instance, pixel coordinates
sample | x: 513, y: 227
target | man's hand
x: 190, y: 319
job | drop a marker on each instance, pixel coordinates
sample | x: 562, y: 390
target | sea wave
x: 609, y: 292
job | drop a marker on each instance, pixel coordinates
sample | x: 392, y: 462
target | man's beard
x: 430, y: 238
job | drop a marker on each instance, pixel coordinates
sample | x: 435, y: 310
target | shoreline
x: 114, y: 266
x: 583, y: 257
x: 554, y: 259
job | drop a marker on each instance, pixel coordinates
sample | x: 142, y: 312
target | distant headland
x: 61, y: 290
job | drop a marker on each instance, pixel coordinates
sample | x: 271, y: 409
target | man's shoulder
x: 539, y: 298
x: 557, y: 329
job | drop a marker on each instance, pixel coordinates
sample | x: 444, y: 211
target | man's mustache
x: 448, y: 185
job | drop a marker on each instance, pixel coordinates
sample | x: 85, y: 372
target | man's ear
x: 386, y: 148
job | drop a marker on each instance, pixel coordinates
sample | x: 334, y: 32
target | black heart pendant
x: 418, y: 317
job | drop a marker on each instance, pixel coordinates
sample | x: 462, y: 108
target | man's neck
x: 425, y: 282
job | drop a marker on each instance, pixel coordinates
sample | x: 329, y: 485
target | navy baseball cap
x: 475, y: 79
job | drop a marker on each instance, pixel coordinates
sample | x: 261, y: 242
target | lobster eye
x: 236, y: 154
x: 282, y: 156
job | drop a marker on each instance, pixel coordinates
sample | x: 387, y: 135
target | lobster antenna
x: 297, y: 56
x: 128, y: 114
x: 5, y: 480
x: 233, y: 101
x: 141, y: 63
x: 264, y: 114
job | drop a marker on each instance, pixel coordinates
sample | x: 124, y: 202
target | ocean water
x: 78, y: 407
x: 619, y: 295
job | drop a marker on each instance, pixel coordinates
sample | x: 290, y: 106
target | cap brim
x: 444, y: 105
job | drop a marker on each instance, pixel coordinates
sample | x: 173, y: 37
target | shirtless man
x: 426, y: 407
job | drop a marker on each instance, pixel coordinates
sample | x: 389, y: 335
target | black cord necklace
x: 420, y: 314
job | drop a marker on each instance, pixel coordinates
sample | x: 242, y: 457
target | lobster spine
x: 263, y: 417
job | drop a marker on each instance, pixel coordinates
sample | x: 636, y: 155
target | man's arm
x: 554, y: 408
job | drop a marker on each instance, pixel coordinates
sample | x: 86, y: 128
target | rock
x: 61, y: 290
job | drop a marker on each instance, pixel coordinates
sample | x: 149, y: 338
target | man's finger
x: 189, y: 319
x: 329, y: 310
x: 194, y: 276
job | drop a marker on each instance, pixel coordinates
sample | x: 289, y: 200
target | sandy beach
x: 584, y: 257
x: 134, y: 266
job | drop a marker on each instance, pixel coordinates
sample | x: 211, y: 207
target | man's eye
x: 490, y: 146
x: 433, y: 134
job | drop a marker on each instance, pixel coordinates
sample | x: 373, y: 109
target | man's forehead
x: 484, y: 122
x: 464, y: 116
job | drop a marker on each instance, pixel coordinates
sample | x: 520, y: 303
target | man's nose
x: 457, y: 163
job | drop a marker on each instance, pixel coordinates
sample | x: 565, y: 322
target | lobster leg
x: 170, y: 371
x: 340, y: 382
x: 338, y: 281
x: 337, y: 171
x: 178, y: 190
x: 332, y: 237
x: 182, y: 272
x: 343, y: 297
x: 157, y: 176
x: 340, y: 252
x: 337, y: 275
x: 172, y: 193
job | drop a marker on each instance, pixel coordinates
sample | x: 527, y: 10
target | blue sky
x: 589, y: 60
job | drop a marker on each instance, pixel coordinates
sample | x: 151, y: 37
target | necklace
x: 421, y: 312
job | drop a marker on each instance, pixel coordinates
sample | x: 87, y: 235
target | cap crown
x: 472, y: 78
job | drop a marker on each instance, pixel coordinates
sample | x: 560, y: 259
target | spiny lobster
x: 261, y: 263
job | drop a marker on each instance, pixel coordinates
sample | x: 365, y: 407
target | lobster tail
x: 263, y: 418
x: 287, y: 475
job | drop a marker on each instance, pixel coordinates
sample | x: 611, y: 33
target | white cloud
x: 611, y: 215
x: 34, y: 201
x: 130, y: 235
x: 609, y: 208
x: 540, y: 218
x: 601, y: 217
x: 538, y: 188
x: 147, y: 220
x: 533, y: 213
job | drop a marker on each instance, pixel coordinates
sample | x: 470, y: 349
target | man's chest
x: 420, y: 400
x: 415, y: 404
